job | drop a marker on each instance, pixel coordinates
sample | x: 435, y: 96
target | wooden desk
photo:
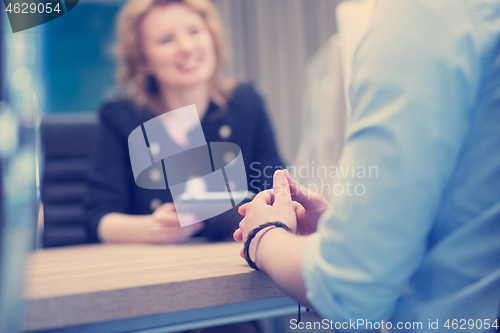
x: 105, y: 288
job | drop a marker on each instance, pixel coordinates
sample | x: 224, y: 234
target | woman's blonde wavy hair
x: 140, y: 86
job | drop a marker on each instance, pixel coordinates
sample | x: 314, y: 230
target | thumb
x: 281, y: 188
x: 242, y: 210
x: 166, y: 207
x: 299, y: 192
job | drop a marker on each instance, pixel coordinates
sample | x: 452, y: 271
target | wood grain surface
x: 96, y: 283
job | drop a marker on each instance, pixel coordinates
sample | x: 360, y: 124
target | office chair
x: 67, y: 143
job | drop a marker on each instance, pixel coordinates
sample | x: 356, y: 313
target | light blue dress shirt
x: 420, y: 239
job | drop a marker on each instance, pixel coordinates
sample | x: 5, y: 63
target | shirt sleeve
x: 109, y: 191
x: 413, y: 86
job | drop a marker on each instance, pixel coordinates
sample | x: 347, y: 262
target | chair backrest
x: 67, y: 143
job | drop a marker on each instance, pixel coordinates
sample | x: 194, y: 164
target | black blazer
x: 111, y: 183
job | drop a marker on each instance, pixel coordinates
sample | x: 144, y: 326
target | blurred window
x: 80, y: 69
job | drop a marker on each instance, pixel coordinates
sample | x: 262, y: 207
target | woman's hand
x: 309, y: 206
x: 165, y: 227
x: 160, y: 227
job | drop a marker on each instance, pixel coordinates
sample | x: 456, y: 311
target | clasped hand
x: 277, y: 204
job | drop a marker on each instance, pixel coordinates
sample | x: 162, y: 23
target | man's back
x: 462, y: 266
x: 423, y: 242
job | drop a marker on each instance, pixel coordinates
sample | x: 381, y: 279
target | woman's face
x: 178, y: 47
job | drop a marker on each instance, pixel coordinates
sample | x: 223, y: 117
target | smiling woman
x: 170, y: 53
x: 159, y: 45
x: 178, y: 48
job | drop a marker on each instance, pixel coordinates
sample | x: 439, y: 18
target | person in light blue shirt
x: 417, y: 247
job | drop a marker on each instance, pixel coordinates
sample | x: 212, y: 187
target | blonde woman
x: 170, y: 54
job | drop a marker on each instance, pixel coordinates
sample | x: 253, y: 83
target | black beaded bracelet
x: 254, y: 232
